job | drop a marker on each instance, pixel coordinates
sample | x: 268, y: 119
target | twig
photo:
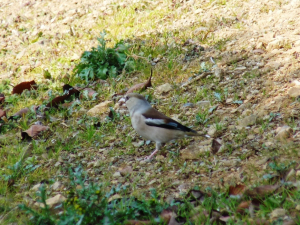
x: 197, y: 78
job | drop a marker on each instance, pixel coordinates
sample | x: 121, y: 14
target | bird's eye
x: 126, y: 98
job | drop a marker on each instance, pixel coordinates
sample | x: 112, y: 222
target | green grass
x: 76, y: 139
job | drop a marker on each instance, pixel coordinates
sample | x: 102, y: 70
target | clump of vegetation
x: 103, y: 62
x: 90, y: 204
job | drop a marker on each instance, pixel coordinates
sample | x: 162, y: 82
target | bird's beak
x: 122, y: 100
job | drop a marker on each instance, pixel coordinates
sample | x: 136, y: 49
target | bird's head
x: 135, y: 101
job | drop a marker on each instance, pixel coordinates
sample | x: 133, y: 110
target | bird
x: 152, y: 124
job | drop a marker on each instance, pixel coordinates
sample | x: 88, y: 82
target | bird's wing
x: 157, y: 119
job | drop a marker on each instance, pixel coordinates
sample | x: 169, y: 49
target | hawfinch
x: 153, y: 125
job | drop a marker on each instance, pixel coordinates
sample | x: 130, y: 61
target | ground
x: 226, y: 68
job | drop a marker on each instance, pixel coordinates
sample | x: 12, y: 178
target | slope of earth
x: 226, y: 68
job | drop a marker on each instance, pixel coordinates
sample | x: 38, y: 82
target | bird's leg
x: 158, y: 146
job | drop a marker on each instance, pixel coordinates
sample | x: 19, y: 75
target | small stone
x: 160, y: 158
x: 52, y: 202
x: 165, y: 88
x: 117, y: 174
x: 75, y: 57
x: 56, y: 185
x: 36, y: 187
x: 229, y: 100
x: 294, y: 92
x: 78, y: 187
x: 262, y: 161
x: 212, y: 131
x: 251, y: 136
x: 193, y: 152
x: 143, y: 162
x: 276, y: 44
x: 298, y: 207
x: 298, y: 173
x: 248, y: 121
x: 152, y: 182
x: 97, y: 163
x: 278, y: 213
x: 57, y: 164
x: 218, y: 72
x: 203, y: 104
x: 138, y: 144
x: 99, y: 109
x: 126, y: 170
x: 283, y: 133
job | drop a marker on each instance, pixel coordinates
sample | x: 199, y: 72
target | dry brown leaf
x: 242, y: 206
x: 33, y: 131
x: 216, y: 144
x: 237, y: 189
x: 169, y: 217
x: 18, y: 89
x: 262, y: 191
x: 57, y: 101
x: 2, y: 98
x: 71, y: 90
x: 20, y: 113
x: 61, y: 99
x: 2, y: 113
x: 141, y: 86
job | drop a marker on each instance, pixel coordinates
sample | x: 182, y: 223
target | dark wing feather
x: 157, y: 119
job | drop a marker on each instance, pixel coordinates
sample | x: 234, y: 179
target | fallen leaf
x: 2, y: 98
x: 216, y: 144
x: 61, y: 99
x: 196, y: 194
x: 2, y: 113
x: 242, y: 206
x: 20, y: 113
x: 169, y: 217
x: 33, y: 131
x: 18, y: 89
x: 141, y: 86
x: 57, y: 101
x: 71, y: 90
x: 237, y: 189
x: 262, y: 191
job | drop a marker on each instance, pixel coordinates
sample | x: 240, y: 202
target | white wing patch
x: 160, y: 122
x: 155, y: 121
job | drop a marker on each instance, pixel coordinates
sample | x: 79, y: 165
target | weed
x: 103, y: 62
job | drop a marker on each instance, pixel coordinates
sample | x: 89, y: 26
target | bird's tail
x: 195, y: 133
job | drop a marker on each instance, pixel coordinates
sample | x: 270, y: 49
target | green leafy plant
x: 103, y: 62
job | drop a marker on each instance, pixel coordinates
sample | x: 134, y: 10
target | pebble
x: 56, y: 185
x: 248, y: 120
x: 278, y: 213
x: 117, y: 174
x: 36, y: 187
x: 165, y: 88
x: 283, y: 133
x: 99, y: 109
x: 294, y: 92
